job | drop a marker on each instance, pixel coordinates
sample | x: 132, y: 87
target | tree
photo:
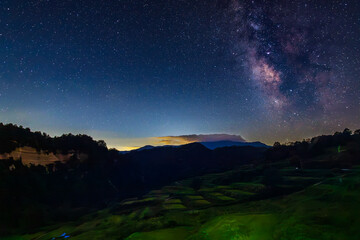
x: 102, y: 143
x: 347, y: 132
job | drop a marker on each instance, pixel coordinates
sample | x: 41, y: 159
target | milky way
x: 294, y: 53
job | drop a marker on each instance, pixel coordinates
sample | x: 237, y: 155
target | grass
x: 194, y: 197
x: 201, y: 202
x: 178, y: 233
x: 172, y: 201
x: 220, y: 196
x: 237, y: 227
x: 174, y: 206
x: 145, y: 200
x: 178, y: 190
x: 249, y: 186
x: 239, y: 194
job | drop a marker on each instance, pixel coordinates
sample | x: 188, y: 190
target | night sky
x: 131, y: 71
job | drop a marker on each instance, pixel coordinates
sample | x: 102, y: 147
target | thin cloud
x: 184, y: 139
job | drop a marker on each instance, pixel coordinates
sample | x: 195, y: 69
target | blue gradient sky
x: 130, y: 71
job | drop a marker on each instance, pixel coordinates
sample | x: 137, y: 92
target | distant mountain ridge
x: 209, y: 145
x: 220, y: 144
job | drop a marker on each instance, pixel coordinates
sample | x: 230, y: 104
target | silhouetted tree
x: 277, y: 144
x: 347, y: 132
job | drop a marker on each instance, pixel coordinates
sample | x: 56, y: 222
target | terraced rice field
x: 312, y: 208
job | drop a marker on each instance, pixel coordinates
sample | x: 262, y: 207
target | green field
x: 325, y: 208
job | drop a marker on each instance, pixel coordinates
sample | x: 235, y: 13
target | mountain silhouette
x: 219, y: 144
x: 210, y: 145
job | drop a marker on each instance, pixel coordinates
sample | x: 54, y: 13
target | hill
x: 58, y: 190
x: 189, y: 192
